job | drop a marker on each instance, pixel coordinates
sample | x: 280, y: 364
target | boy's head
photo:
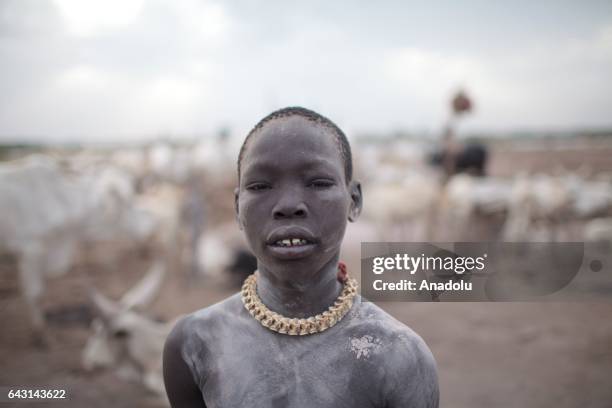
x: 296, y: 191
x: 344, y: 147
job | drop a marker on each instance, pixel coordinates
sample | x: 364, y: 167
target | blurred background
x: 120, y: 125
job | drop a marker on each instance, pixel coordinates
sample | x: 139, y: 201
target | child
x: 297, y: 335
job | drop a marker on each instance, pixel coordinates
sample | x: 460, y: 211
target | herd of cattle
x: 59, y: 209
x: 528, y: 207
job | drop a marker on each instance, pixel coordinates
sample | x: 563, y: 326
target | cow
x: 125, y: 339
x: 52, y: 212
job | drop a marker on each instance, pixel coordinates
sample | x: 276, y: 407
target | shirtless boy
x: 297, y: 335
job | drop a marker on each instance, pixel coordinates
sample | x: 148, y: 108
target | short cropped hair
x: 339, y: 136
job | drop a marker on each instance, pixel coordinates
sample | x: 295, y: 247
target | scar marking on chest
x: 365, y: 346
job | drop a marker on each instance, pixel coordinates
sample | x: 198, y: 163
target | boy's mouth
x: 291, y: 242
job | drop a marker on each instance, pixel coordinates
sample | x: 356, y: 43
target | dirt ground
x: 589, y: 158
x: 488, y: 354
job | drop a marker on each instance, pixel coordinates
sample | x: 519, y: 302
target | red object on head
x: 461, y: 103
x: 342, y: 272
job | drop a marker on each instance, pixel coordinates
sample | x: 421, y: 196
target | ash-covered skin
x: 293, y: 182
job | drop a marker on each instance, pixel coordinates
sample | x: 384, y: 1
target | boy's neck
x: 300, y: 299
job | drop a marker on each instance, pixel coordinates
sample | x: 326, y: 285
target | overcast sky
x: 133, y: 69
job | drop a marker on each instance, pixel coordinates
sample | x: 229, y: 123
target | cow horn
x: 106, y: 308
x: 143, y: 293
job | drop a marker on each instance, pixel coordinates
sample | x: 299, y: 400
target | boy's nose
x: 289, y: 209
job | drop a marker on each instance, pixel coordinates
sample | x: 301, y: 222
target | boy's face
x: 293, y: 201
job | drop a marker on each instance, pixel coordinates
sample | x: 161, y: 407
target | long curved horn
x: 106, y: 308
x: 143, y: 293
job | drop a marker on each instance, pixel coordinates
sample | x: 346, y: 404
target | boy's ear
x: 236, y: 206
x: 356, y: 201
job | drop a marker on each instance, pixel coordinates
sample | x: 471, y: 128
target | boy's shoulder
x: 377, y: 339
x: 371, y: 328
x: 369, y: 317
x: 194, y: 335
x: 209, y: 320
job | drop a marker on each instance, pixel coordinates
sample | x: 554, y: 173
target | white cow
x: 125, y: 339
x: 395, y: 207
x: 598, y: 230
x: 49, y: 212
x: 465, y: 196
x: 41, y: 208
x: 539, y: 204
x: 590, y: 198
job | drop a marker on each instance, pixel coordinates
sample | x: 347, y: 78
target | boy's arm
x: 181, y: 389
x: 413, y: 377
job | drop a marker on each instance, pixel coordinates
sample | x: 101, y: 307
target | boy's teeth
x: 291, y: 242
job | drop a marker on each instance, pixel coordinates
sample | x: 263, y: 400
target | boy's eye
x: 257, y: 187
x: 321, y: 183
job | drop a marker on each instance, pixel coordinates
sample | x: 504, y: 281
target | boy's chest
x: 291, y: 372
